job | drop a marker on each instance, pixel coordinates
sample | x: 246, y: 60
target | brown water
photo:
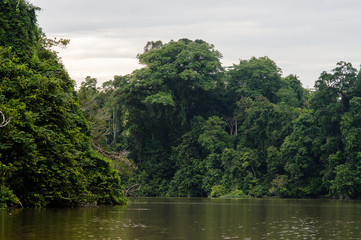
x: 190, y: 218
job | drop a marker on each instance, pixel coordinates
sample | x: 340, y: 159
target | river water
x: 190, y: 218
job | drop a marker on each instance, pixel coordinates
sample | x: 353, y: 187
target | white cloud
x: 303, y: 37
x: 103, y: 69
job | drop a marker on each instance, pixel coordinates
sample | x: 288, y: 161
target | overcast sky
x: 303, y: 37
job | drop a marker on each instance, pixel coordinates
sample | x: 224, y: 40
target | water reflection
x: 193, y: 218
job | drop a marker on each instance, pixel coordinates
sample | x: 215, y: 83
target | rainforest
x: 183, y: 125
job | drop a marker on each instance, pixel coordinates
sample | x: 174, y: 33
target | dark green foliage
x: 179, y: 81
x: 46, y: 156
x: 255, y: 77
x: 195, y: 129
x: 191, y: 127
x: 347, y: 181
x: 292, y: 92
x: 300, y: 153
x: 18, y: 27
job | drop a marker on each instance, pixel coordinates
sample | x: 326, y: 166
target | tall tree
x: 46, y: 156
x: 179, y: 81
x: 255, y: 77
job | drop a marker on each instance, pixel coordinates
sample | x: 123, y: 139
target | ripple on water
x: 137, y: 209
x: 227, y: 237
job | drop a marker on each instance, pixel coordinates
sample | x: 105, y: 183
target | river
x: 189, y: 218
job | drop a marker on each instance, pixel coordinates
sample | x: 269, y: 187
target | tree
x: 330, y: 102
x: 179, y: 81
x: 291, y: 92
x: 301, y: 152
x: 94, y: 112
x: 100, y: 109
x: 337, y: 86
x: 347, y: 182
x: 255, y: 77
x: 18, y: 27
x: 46, y: 155
x: 214, y: 138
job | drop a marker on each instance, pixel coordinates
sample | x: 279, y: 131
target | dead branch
x: 116, y: 157
x: 4, y: 122
x: 131, y: 190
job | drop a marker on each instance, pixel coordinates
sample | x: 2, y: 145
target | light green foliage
x: 218, y: 191
x: 346, y: 182
x: 46, y: 156
x: 279, y: 186
x: 236, y: 194
x: 160, y: 98
x: 195, y: 62
x: 18, y: 27
x: 221, y: 191
x: 240, y: 168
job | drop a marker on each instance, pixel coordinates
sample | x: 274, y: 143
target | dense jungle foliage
x: 190, y: 126
x: 195, y: 128
x: 46, y: 158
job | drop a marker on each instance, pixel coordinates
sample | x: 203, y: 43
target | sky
x: 303, y: 37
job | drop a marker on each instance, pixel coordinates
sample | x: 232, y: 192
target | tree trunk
x: 235, y: 127
x: 114, y: 124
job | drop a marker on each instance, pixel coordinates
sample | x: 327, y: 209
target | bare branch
x: 119, y: 159
x: 130, y: 190
x: 4, y: 122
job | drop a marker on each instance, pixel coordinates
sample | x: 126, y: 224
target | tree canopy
x: 45, y: 154
x: 195, y: 128
x: 182, y: 125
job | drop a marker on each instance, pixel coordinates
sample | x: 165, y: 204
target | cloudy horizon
x: 302, y: 37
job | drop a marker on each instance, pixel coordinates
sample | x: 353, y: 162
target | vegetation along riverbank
x: 182, y: 125
x: 195, y: 128
x: 46, y: 158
